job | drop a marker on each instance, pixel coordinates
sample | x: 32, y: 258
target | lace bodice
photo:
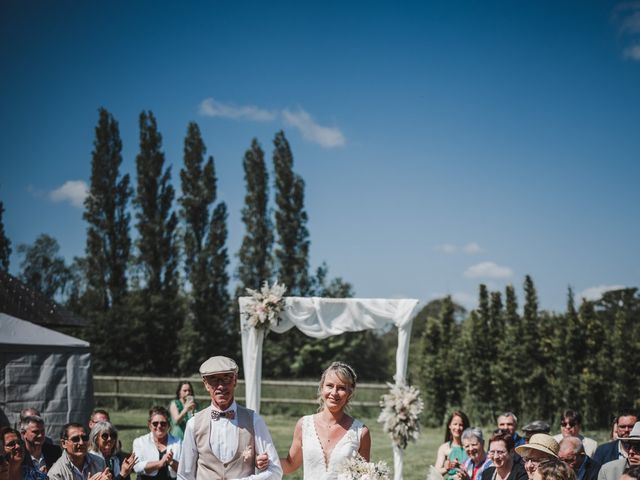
x: 314, y: 464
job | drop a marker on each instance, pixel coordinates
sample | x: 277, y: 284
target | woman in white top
x: 322, y: 442
x: 157, y: 451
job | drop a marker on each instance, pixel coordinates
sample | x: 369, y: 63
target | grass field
x: 417, y: 457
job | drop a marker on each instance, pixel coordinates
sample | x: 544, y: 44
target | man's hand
x: 262, y: 461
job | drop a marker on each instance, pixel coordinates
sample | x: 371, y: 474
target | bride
x: 322, y: 442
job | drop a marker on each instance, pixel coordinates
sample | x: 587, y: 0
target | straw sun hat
x: 542, y: 443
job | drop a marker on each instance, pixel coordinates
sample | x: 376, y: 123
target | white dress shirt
x: 223, y: 440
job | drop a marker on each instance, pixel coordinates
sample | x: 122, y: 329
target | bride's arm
x: 293, y: 461
x: 365, y: 444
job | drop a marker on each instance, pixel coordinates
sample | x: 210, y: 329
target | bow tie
x: 215, y: 414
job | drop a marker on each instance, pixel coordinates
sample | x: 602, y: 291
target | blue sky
x: 443, y: 144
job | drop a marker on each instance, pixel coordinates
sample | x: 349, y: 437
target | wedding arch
x: 324, y: 317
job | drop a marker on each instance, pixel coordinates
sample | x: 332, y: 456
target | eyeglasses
x: 224, y: 380
x: 12, y: 443
x: 159, y: 424
x: 569, y: 459
x: 568, y: 424
x: 497, y: 453
x: 107, y: 436
x: 77, y: 438
x: 534, y: 461
x: 628, y: 446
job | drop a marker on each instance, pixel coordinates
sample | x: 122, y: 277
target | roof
x: 21, y: 301
x: 20, y: 332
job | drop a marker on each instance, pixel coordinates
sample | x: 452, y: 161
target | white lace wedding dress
x: 315, y: 467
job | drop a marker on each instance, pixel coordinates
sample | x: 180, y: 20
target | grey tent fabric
x: 46, y: 370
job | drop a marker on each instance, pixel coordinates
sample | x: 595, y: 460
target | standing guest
x: 39, y: 453
x: 222, y: 440
x: 478, y: 460
x: 631, y: 443
x: 14, y: 454
x: 103, y: 442
x: 614, y: 450
x: 75, y: 462
x: 451, y: 454
x: 537, y: 426
x: 572, y: 453
x: 157, y: 452
x: 98, y: 415
x: 541, y: 447
x: 509, y: 422
x: 502, y: 455
x: 554, y: 469
x: 570, y: 426
x: 323, y: 441
x: 182, y: 408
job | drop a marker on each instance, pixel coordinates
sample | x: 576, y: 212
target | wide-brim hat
x: 542, y: 443
x: 218, y: 365
x: 634, y: 436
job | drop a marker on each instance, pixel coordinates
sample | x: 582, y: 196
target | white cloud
x: 327, y: 137
x: 446, y: 248
x: 631, y: 22
x: 465, y: 299
x: 212, y: 108
x: 73, y: 191
x: 595, y: 293
x: 472, y: 248
x: 488, y: 270
x: 632, y: 53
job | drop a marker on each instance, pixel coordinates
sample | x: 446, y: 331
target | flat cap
x: 537, y: 426
x: 217, y: 365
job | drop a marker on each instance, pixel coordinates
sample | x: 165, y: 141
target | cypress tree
x: 5, y: 243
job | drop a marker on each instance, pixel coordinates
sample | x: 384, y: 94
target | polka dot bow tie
x: 216, y: 415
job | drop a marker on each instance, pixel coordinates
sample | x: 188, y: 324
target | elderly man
x: 98, y: 415
x: 572, y: 453
x: 614, y: 450
x: 541, y: 447
x: 631, y: 443
x: 570, y: 426
x: 509, y: 422
x: 41, y: 454
x: 75, y: 462
x: 222, y: 440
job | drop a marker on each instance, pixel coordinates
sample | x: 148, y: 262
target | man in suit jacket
x: 614, y: 450
x: 614, y: 470
x: 572, y: 453
x: 38, y: 452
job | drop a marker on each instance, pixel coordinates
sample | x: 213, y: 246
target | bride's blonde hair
x: 345, y: 373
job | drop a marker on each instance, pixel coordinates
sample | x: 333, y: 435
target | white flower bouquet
x: 266, y: 306
x: 357, y: 468
x: 400, y: 415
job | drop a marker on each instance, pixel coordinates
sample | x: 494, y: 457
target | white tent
x: 44, y: 369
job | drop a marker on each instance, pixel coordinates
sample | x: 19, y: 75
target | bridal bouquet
x: 357, y: 468
x: 266, y: 305
x: 401, y: 409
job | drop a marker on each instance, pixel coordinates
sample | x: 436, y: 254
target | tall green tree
x: 159, y: 305
x: 254, y: 257
x: 204, y: 237
x: 42, y: 268
x: 5, y: 243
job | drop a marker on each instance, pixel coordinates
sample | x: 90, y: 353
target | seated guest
x: 554, y: 469
x: 509, y: 422
x: 32, y: 412
x: 614, y: 450
x: 537, y: 426
x: 541, y: 447
x: 39, y: 453
x: 75, y: 461
x: 478, y: 461
x: 502, y: 455
x: 15, y: 453
x: 98, y: 415
x: 570, y: 426
x: 103, y: 442
x: 158, y: 452
x: 182, y: 408
x: 572, y: 453
x: 631, y: 473
x: 631, y: 444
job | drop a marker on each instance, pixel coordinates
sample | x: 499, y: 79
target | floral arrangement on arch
x: 357, y: 468
x: 266, y: 305
x: 400, y: 415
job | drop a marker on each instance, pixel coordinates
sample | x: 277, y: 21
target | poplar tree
x: 570, y: 356
x: 254, y: 255
x: 157, y: 303
x: 42, y: 268
x: 5, y: 243
x: 512, y: 350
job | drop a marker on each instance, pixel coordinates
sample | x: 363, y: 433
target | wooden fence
x: 122, y: 392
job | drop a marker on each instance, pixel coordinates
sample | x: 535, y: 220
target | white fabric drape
x: 324, y: 317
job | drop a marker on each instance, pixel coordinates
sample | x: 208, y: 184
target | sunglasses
x: 628, y: 446
x: 568, y: 424
x: 77, y: 438
x: 12, y: 443
x: 107, y: 436
x: 157, y: 424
